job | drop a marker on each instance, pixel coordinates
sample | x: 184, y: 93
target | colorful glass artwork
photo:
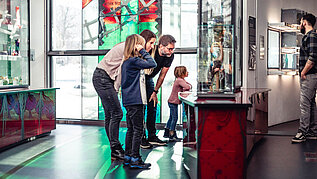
x: 85, y: 3
x: 121, y: 19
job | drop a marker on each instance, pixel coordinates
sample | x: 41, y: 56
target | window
x: 77, y: 49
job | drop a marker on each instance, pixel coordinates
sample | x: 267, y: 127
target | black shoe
x: 117, y: 152
x: 137, y: 163
x: 300, y: 137
x: 166, y: 133
x: 311, y: 136
x: 127, y: 160
x: 156, y: 141
x: 174, y: 138
x: 145, y: 144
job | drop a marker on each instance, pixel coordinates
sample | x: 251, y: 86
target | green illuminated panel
x: 122, y: 24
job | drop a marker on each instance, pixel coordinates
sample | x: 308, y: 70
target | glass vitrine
x: 283, y: 48
x: 14, y: 43
x: 219, y: 67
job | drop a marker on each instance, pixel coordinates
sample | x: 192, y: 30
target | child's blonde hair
x: 130, y: 43
x: 180, y: 71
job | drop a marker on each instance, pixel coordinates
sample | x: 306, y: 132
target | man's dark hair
x: 310, y: 18
x: 166, y: 39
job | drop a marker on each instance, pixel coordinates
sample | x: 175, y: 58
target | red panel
x: 111, y: 5
x: 222, y: 152
x: 12, y: 131
x: 31, y: 117
x: 48, y: 115
x: 85, y: 3
x: 30, y: 128
x: 148, y: 15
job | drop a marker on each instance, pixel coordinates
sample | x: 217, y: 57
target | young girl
x: 135, y: 60
x: 180, y: 85
x: 107, y: 80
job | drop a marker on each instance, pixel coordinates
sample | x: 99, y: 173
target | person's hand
x: 138, y: 47
x: 303, y: 76
x: 217, y: 44
x: 154, y: 98
x: 216, y: 69
x: 212, y: 48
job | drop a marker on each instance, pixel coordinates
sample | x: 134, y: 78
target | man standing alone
x: 308, y: 81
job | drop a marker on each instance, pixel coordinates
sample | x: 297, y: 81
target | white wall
x: 284, y: 97
x: 37, y: 42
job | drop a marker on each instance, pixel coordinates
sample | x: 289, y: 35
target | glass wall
x: 102, y: 24
x: 76, y: 98
x: 14, y: 43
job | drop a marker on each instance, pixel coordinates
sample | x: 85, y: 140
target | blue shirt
x: 133, y: 78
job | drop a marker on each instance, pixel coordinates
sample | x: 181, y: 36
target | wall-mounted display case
x: 219, y: 64
x: 14, y: 43
x: 283, y: 48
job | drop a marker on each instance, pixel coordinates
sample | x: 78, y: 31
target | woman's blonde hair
x: 129, y: 47
x: 180, y: 71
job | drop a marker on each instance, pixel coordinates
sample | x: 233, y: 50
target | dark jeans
x: 171, y: 123
x: 151, y: 110
x: 111, y: 105
x: 135, y: 118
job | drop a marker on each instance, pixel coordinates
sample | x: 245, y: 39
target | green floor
x: 74, y: 151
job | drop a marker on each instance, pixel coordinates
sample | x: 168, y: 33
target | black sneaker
x: 127, y: 160
x: 137, y: 163
x: 174, y: 138
x: 300, y: 137
x: 156, y: 141
x: 311, y: 136
x: 117, y: 152
x: 166, y: 133
x: 145, y: 144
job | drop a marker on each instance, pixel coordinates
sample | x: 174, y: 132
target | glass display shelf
x: 14, y: 43
x: 219, y: 57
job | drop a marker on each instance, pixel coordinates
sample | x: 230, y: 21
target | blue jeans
x: 135, y: 118
x: 171, y: 123
x: 111, y: 105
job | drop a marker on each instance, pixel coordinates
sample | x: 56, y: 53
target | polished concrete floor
x: 74, y: 151
x: 275, y: 157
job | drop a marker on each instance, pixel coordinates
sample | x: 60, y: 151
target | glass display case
x: 283, y: 48
x: 14, y: 43
x: 219, y: 64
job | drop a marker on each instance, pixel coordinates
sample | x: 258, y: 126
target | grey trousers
x: 308, y: 121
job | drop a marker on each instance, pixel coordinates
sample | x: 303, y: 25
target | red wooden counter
x: 215, y: 133
x: 26, y: 113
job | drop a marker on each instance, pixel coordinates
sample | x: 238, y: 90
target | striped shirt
x: 308, y: 51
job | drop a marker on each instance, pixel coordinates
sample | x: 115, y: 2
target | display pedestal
x: 215, y: 135
x: 26, y: 113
